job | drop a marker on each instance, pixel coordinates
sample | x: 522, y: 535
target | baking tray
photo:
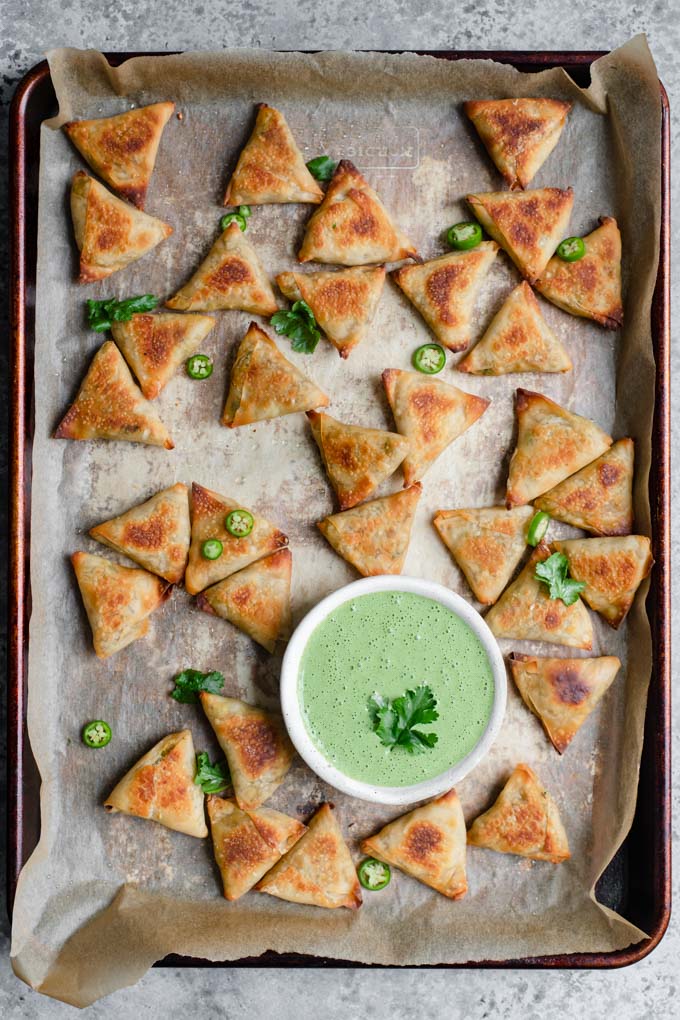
x: 637, y: 883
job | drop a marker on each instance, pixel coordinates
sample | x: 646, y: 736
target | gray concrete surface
x: 27, y: 28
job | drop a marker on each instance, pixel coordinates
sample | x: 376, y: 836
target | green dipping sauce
x: 390, y: 642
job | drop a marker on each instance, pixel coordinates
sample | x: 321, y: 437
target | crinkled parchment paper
x: 103, y: 897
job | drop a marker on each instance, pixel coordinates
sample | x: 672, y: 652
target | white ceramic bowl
x: 292, y: 712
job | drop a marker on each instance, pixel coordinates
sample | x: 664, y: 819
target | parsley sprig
x: 394, y: 719
x: 100, y: 314
x: 211, y: 778
x: 190, y: 681
x: 322, y: 168
x: 555, y: 573
x: 299, y: 324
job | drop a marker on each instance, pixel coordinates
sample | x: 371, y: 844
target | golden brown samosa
x: 155, y: 346
x: 122, y: 149
x: 612, y: 570
x: 161, y: 787
x: 255, y: 744
x: 356, y: 459
x: 444, y: 291
x: 428, y: 843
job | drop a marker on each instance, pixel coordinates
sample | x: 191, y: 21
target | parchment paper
x: 103, y: 897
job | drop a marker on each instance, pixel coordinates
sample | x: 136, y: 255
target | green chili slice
x: 374, y: 875
x: 571, y: 249
x: 240, y: 218
x: 199, y: 366
x: 239, y: 523
x: 97, y: 733
x: 211, y: 549
x: 463, y: 236
x: 538, y: 527
x: 430, y: 359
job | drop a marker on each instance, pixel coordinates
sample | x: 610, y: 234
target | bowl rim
x: 292, y: 709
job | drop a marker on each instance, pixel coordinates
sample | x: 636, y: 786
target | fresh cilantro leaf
x: 555, y: 573
x: 394, y: 719
x: 190, y: 681
x: 211, y: 778
x: 240, y: 217
x: 299, y: 324
x: 322, y: 167
x: 100, y: 314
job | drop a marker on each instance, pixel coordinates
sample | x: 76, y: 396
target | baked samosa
x: 230, y: 277
x: 552, y: 443
x: 562, y: 692
x: 122, y: 149
x: 161, y: 787
x: 612, y: 570
x: 487, y: 544
x: 356, y: 459
x: 110, y: 234
x: 431, y: 414
x: 518, y: 134
x: 248, y: 844
x: 599, y: 497
x: 374, y: 537
x: 444, y: 291
x: 591, y: 286
x: 526, y: 612
x: 264, y: 384
x: 524, y: 820
x: 117, y: 600
x: 155, y: 346
x: 518, y: 340
x: 255, y: 599
x: 209, y: 511
x: 428, y: 843
x: 352, y: 227
x: 271, y: 168
x: 343, y: 302
x: 109, y: 405
x: 528, y: 225
x: 156, y: 534
x: 318, y: 870
x: 255, y: 744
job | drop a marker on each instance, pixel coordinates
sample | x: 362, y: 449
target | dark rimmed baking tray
x: 638, y: 881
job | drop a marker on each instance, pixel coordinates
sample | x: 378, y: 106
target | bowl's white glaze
x: 292, y: 712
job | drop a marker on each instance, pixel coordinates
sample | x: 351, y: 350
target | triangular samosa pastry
x: 161, y: 787
x: 562, y: 692
x: 117, y: 600
x: 486, y: 543
x: 271, y: 168
x: 110, y: 234
x: 444, y: 291
x: 518, y: 340
x: 230, y: 277
x: 264, y: 384
x: 552, y: 443
x: 255, y: 744
x: 156, y: 534
x: 356, y: 459
x: 524, y: 820
x: 428, y: 843
x: 431, y: 414
x: 318, y: 870
x: 248, y: 844
x: 612, y: 570
x: 374, y: 537
x: 155, y: 346
x: 599, y: 497
x: 591, y: 286
x: 343, y: 301
x: 526, y: 612
x: 528, y: 225
x: 352, y: 227
x: 122, y: 149
x: 109, y: 405
x: 518, y: 134
x: 209, y: 511
x: 255, y: 599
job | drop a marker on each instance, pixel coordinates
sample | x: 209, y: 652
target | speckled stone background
x: 27, y: 28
